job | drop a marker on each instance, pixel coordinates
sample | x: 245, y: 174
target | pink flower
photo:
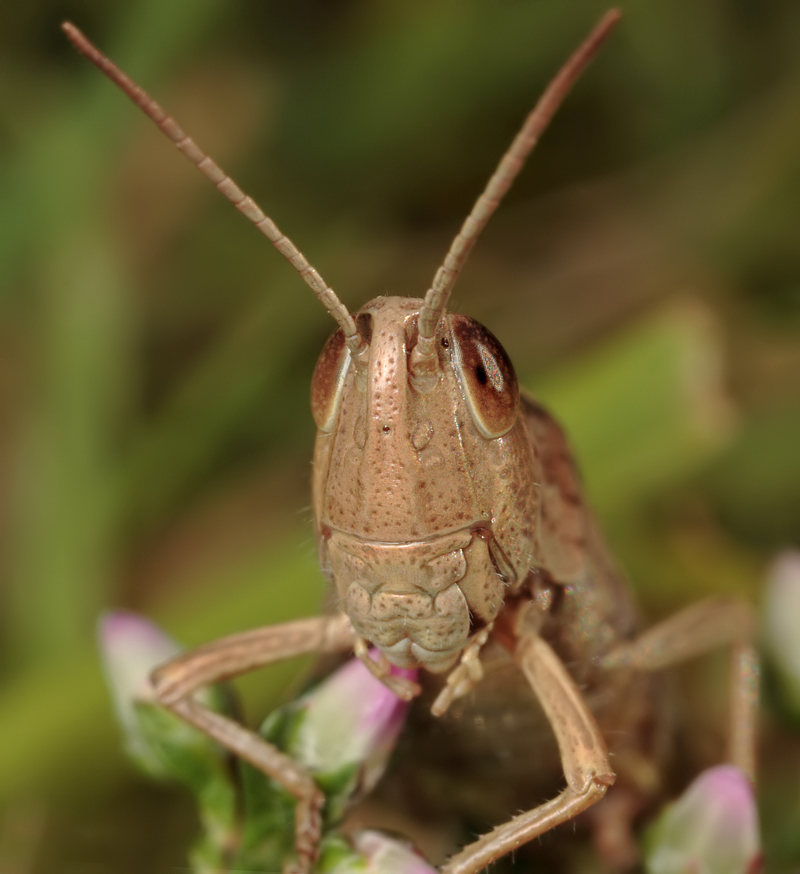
x: 388, y: 856
x: 351, y: 718
x: 711, y: 829
x: 375, y: 853
x: 131, y: 647
x: 781, y: 629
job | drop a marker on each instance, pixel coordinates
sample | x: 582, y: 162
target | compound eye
x: 486, y: 375
x: 327, y: 384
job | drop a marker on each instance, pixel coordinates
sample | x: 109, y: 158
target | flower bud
x: 711, y: 829
x: 372, y: 853
x: 158, y: 741
x: 351, y: 719
x: 131, y: 647
x: 343, y: 732
x: 781, y: 629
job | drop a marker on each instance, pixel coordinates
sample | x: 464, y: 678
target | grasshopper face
x: 425, y: 497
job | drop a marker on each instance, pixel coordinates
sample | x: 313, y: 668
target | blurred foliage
x: 156, y: 353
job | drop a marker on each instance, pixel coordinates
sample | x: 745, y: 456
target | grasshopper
x: 450, y: 523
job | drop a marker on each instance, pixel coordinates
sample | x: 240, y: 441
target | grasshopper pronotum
x: 450, y: 521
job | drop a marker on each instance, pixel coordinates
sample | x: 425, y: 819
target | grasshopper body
x: 450, y: 523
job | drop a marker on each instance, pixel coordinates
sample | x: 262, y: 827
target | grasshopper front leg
x: 175, y: 681
x: 584, y: 757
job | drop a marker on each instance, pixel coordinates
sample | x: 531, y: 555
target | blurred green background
x: 156, y: 352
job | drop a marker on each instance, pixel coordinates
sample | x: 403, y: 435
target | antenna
x: 212, y: 171
x: 424, y: 360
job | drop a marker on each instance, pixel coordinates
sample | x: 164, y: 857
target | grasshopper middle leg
x: 708, y: 625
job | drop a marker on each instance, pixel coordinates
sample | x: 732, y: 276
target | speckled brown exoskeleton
x: 450, y: 522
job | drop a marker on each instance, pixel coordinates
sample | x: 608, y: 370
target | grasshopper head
x: 424, y: 491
